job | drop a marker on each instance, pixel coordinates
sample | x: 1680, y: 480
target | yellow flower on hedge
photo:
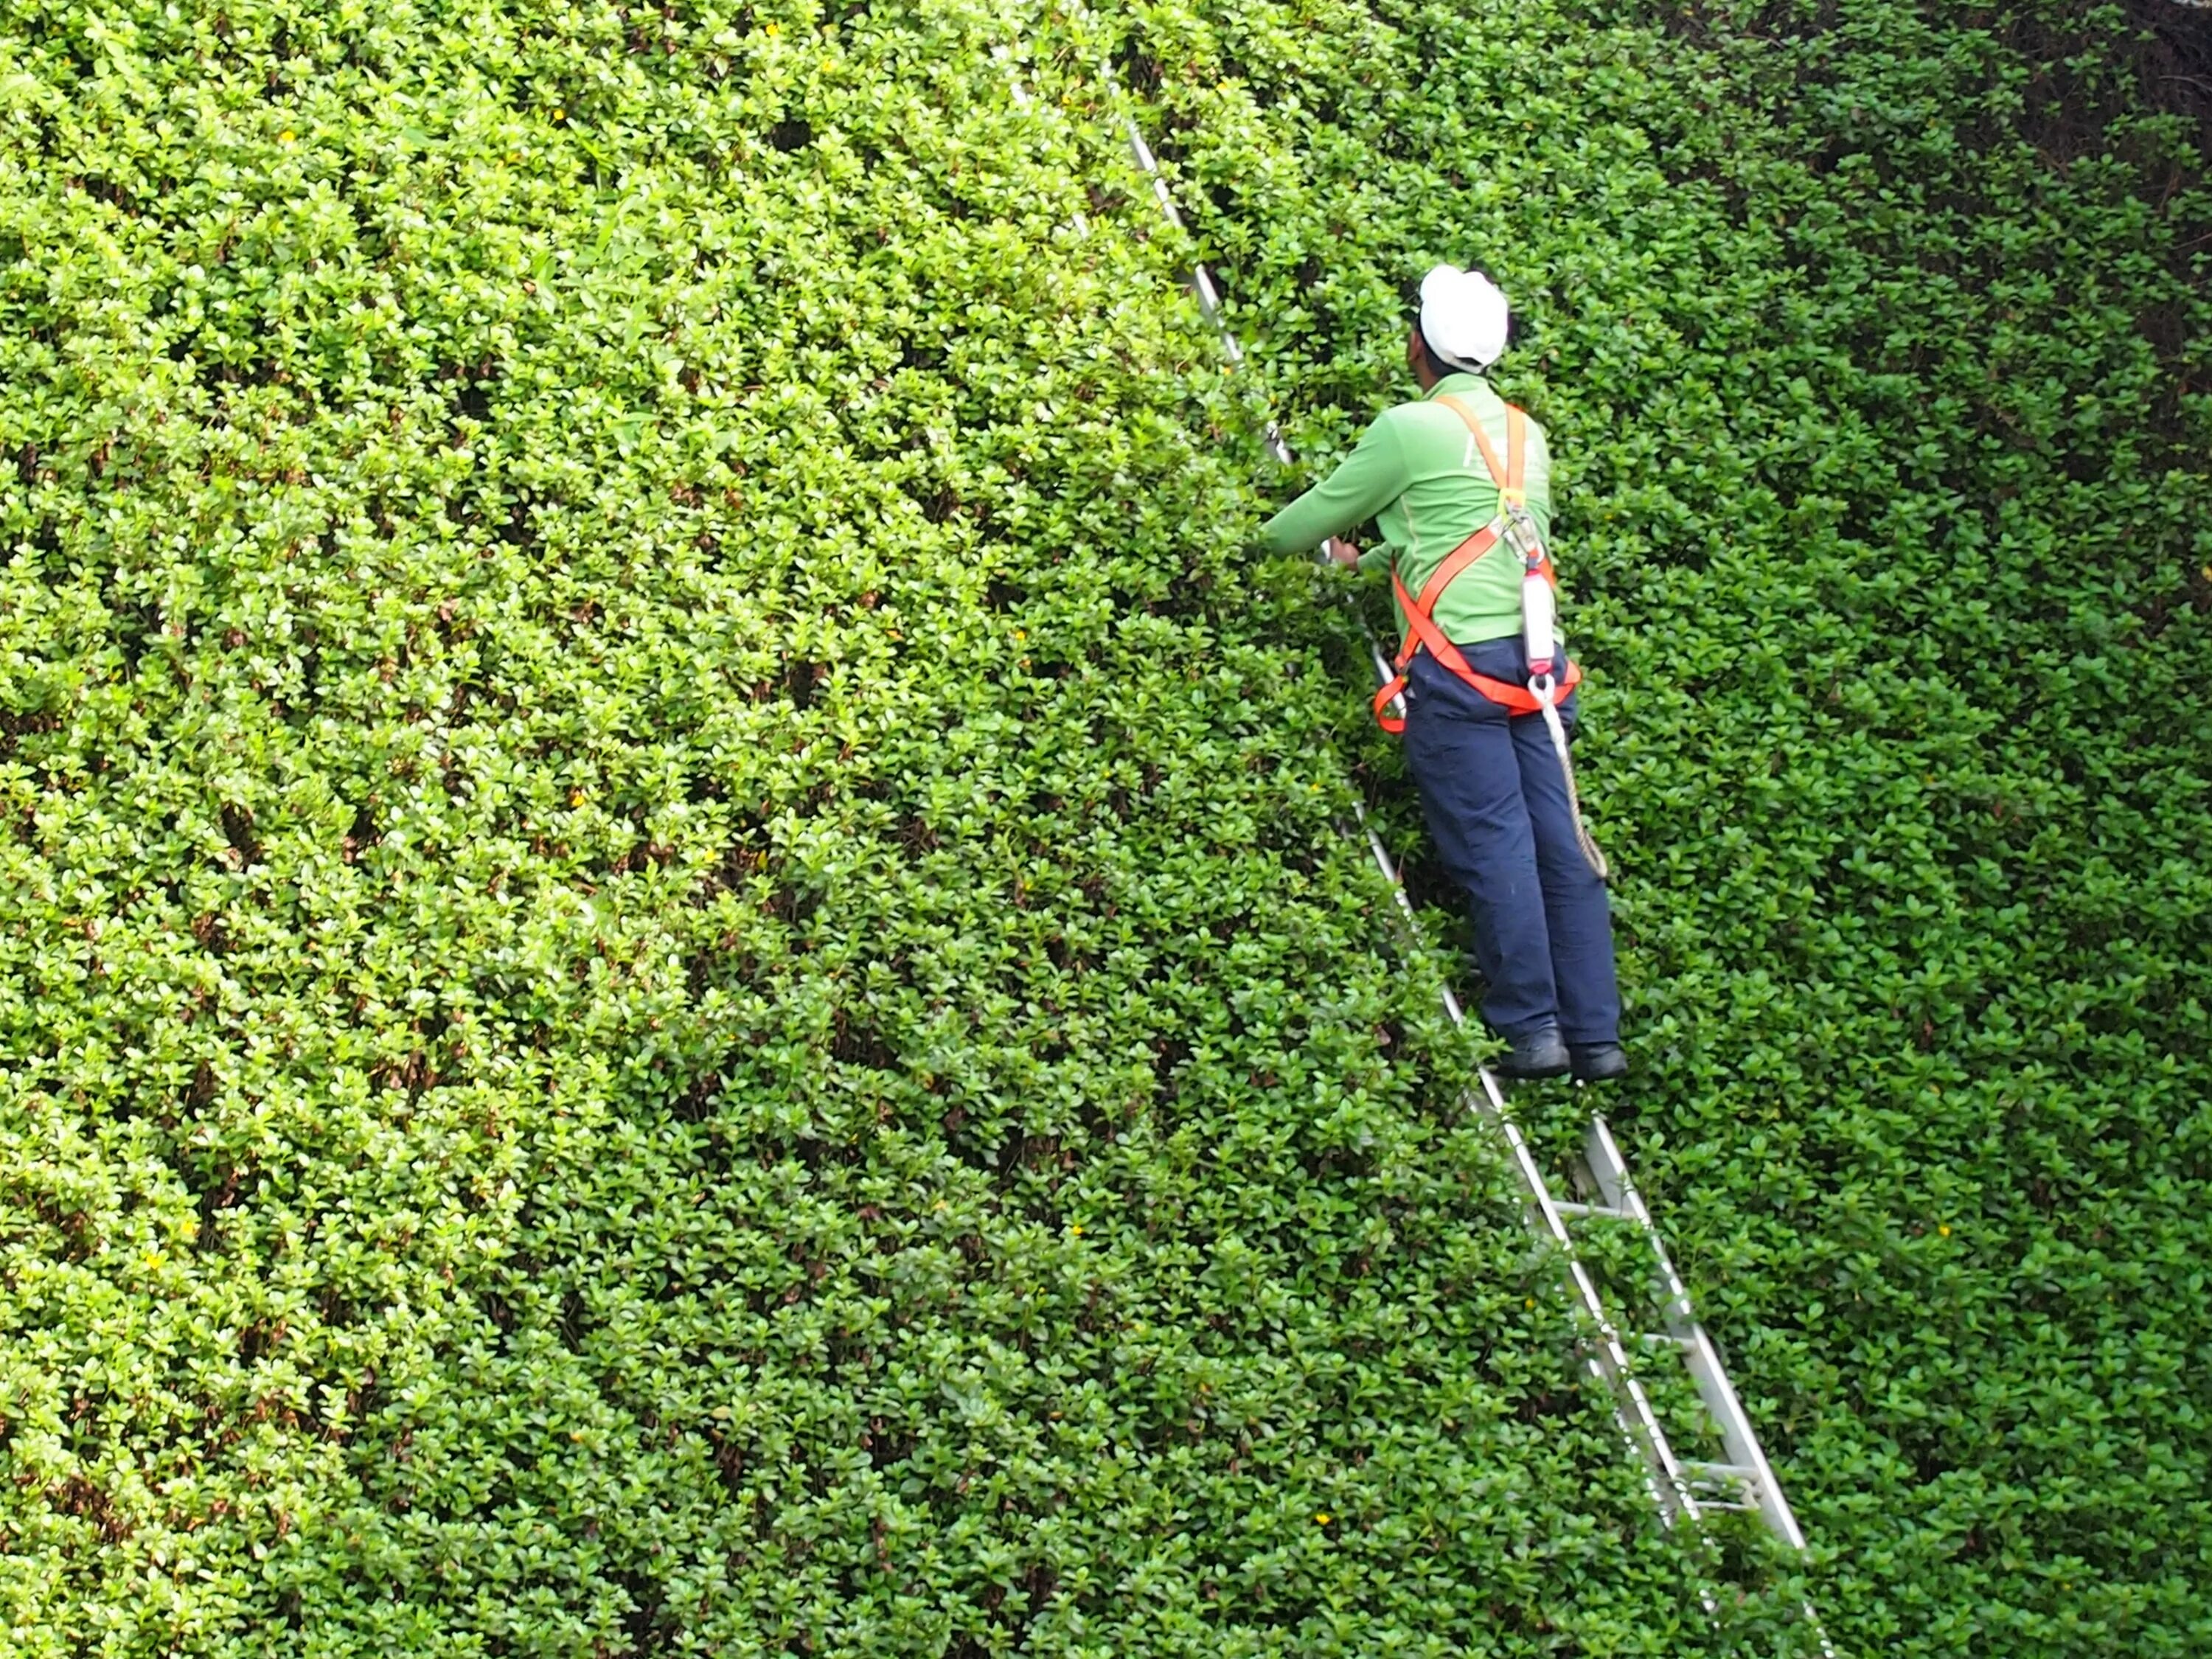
x: 1323, y: 1518
x: 286, y: 137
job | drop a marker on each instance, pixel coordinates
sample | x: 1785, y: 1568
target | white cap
x: 1463, y: 317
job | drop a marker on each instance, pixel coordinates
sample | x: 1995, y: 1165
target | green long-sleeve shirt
x: 1418, y: 473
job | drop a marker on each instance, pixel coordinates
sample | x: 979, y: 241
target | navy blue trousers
x: 1496, y: 802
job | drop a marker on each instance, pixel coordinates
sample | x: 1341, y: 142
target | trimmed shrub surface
x: 682, y: 971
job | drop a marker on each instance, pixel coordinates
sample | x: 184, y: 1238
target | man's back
x: 1418, y: 472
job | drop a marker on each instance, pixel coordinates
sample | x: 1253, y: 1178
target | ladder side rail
x: 1078, y: 221
x: 1707, y: 1370
x: 1608, y: 1355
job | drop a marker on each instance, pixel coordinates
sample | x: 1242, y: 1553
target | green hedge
x: 1873, y: 338
x: 680, y: 971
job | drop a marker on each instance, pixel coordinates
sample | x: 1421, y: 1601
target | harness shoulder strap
x: 1499, y: 475
x: 1453, y: 563
x: 1510, y: 478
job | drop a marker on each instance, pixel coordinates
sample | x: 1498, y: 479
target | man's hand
x: 1341, y: 550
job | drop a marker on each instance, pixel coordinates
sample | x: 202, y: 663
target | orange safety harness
x: 1421, y: 629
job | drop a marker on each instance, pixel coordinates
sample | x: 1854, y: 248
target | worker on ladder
x: 1459, y: 485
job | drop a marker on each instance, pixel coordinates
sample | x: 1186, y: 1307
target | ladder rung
x: 1741, y: 1475
x: 1665, y: 1340
x: 1601, y: 1212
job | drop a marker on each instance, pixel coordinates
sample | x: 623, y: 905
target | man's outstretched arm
x: 1367, y: 480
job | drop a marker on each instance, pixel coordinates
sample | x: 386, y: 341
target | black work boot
x: 1535, y: 1054
x: 1597, y: 1062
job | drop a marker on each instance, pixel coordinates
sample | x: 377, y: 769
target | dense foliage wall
x: 679, y: 972
x: 1874, y: 337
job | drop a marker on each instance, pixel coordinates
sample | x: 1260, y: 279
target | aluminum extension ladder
x: 1685, y: 1491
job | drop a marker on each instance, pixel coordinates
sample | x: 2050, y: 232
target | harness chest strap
x: 1421, y: 629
